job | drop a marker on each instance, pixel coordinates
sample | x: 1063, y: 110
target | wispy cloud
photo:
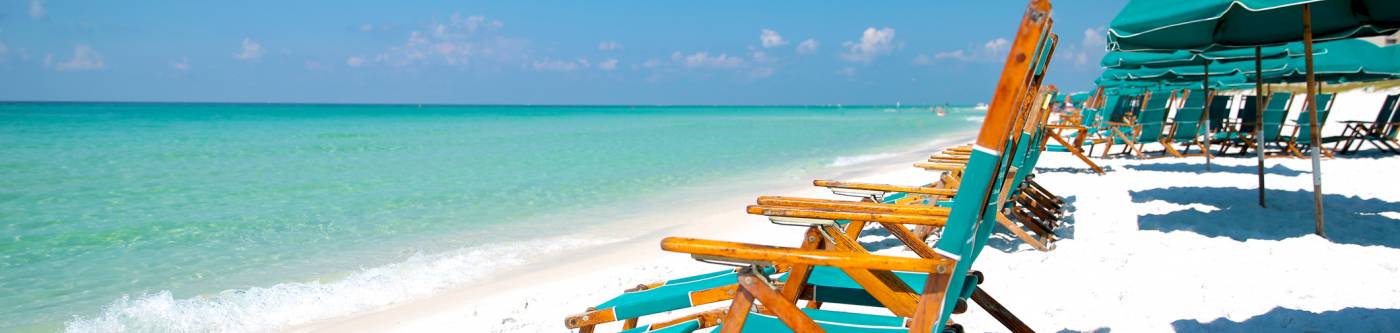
x: 355, y: 62
x: 847, y: 71
x: 182, y: 65
x: 705, y: 60
x: 872, y: 44
x: 551, y: 65
x: 36, y: 8
x: 84, y: 59
x: 990, y: 51
x: 608, y: 45
x: 252, y: 51
x: 460, y: 41
x: 807, y: 46
x: 771, y: 39
x: 608, y: 65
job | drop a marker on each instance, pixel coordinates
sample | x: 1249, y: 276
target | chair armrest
x: 885, y: 188
x: 809, y: 216
x: 773, y: 255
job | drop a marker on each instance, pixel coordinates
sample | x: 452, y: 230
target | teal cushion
x: 685, y: 327
x: 831, y: 321
x: 831, y: 285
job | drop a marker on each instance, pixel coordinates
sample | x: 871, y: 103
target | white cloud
x: 608, y: 65
x: 991, y: 51
x: 355, y: 62
x: 996, y: 46
x: 550, y: 65
x: 461, y: 41
x: 873, y: 43
x: 608, y: 45
x: 807, y: 46
x: 252, y: 51
x: 771, y: 38
x: 1092, y: 48
x: 366, y: 27
x: 182, y: 65
x: 922, y: 59
x: 651, y: 63
x: 36, y: 8
x: 761, y: 57
x: 761, y: 72
x: 84, y: 59
x: 705, y: 60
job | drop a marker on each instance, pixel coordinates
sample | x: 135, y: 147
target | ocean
x: 250, y: 217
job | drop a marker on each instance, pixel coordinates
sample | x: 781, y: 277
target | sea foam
x: 858, y: 159
x: 286, y: 305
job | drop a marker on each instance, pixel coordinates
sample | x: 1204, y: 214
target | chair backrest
x: 1089, y: 118
x: 1122, y: 107
x: 1219, y: 110
x: 1324, y: 108
x: 1152, y: 116
x: 1275, y: 111
x: 1249, y: 113
x: 1187, y: 120
x: 1387, y: 109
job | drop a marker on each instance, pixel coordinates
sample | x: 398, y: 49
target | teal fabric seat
x: 674, y: 294
x: 1304, y: 121
x: 831, y: 321
x: 685, y: 327
x: 1188, y: 118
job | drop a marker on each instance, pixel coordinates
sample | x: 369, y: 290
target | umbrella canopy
x: 1180, y: 58
x: 1205, y: 25
x: 1344, y: 61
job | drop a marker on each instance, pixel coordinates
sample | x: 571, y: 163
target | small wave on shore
x: 286, y: 305
x: 858, y: 159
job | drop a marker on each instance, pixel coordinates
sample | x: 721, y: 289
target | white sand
x: 1154, y: 246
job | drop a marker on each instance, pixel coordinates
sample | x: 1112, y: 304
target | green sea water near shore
x: 236, y: 217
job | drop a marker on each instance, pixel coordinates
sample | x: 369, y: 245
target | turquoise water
x: 210, y: 217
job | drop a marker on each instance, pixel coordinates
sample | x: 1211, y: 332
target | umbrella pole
x: 1259, y: 117
x: 1312, y: 125
x: 1205, y: 114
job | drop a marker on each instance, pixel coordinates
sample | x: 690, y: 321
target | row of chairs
x: 1137, y: 120
x: 945, y: 224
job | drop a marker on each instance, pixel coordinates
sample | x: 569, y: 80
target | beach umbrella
x: 1342, y: 61
x: 1207, y: 25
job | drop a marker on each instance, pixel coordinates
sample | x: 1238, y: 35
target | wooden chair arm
x: 851, y: 206
x: 775, y: 255
x: 940, y: 166
x: 885, y: 188
x: 831, y: 215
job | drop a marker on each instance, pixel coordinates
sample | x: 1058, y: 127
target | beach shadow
x: 1096, y: 330
x: 1085, y: 169
x: 1289, y: 320
x: 1277, y: 169
x: 1349, y: 220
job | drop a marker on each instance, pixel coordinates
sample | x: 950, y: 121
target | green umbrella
x: 1344, y: 61
x: 1206, y: 25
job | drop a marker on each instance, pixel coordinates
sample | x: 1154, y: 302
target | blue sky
x: 528, y: 52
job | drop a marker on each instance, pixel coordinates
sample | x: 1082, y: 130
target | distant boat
x: 981, y: 106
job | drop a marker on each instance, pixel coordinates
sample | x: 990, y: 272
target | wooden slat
x: 774, y: 254
x: 785, y: 310
x: 806, y: 213
x: 738, y: 312
x: 886, y: 188
x: 852, y: 206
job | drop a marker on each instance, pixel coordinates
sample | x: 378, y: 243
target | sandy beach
x: 1153, y: 246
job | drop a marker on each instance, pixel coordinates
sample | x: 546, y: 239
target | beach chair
x: 609, y: 309
x: 1089, y: 119
x: 763, y: 306
x: 1237, y: 129
x: 1143, y: 128
x: 1300, y: 140
x: 1275, y: 111
x: 1186, y: 126
x: 1379, y: 133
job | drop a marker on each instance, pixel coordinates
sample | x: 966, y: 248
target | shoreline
x: 505, y: 303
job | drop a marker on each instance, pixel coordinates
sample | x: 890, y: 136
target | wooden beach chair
x: 703, y: 286
x: 1236, y: 130
x: 1275, y: 111
x: 1186, y: 127
x: 1378, y: 132
x: 763, y: 306
x: 1300, y: 141
x: 1145, y: 127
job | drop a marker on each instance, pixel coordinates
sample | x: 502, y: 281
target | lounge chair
x: 1300, y: 140
x: 1186, y: 126
x: 945, y: 269
x: 1275, y: 111
x: 1145, y: 127
x: 1379, y: 132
